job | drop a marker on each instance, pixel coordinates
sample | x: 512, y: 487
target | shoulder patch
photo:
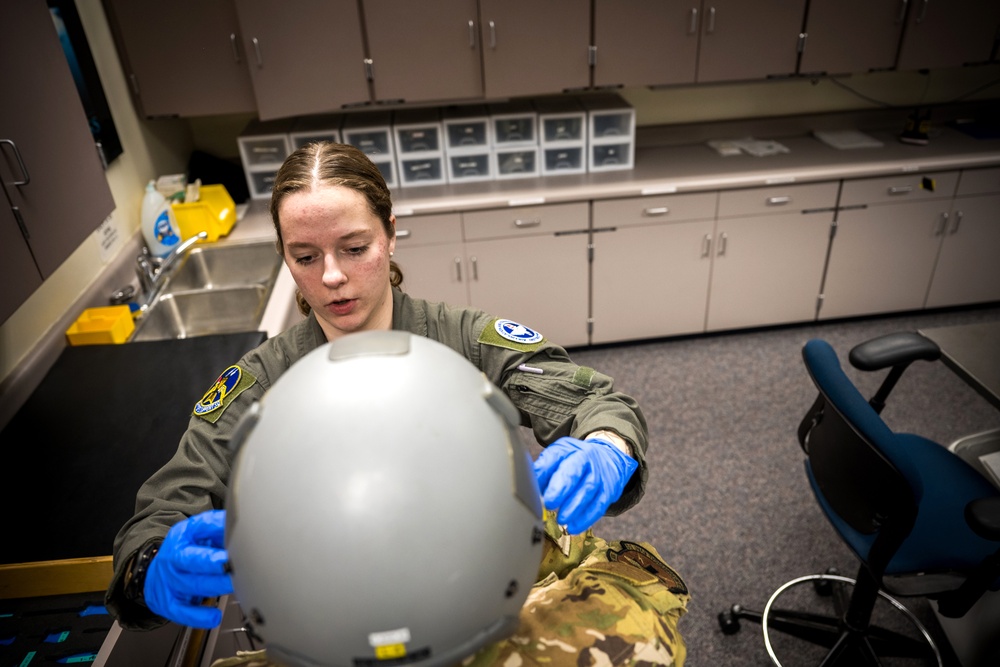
x: 233, y: 382
x: 511, y: 335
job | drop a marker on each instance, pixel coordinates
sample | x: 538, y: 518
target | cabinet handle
x: 472, y: 34
x: 403, y: 233
x: 20, y: 163
x: 493, y: 35
x: 956, y: 223
x: 900, y: 189
x: 942, y: 225
x: 722, y: 244
x: 902, y: 11
x: 706, y: 245
x: 256, y: 48
x: 923, y: 11
x: 656, y: 210
x: 778, y: 201
x: 693, y: 26
x: 524, y: 224
x: 236, y: 50
x: 20, y: 223
x: 711, y: 21
x: 475, y: 267
x: 458, y: 268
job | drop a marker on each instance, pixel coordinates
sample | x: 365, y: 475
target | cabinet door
x: 303, y: 60
x: 430, y: 254
x: 650, y: 281
x: 846, y: 36
x: 534, y: 48
x: 968, y: 270
x: 424, y: 49
x: 882, y: 258
x: 767, y: 269
x: 182, y: 58
x: 540, y: 282
x: 749, y: 40
x: 642, y: 43
x: 948, y: 34
x: 49, y: 165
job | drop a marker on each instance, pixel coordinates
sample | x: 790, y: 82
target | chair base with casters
x: 921, y: 521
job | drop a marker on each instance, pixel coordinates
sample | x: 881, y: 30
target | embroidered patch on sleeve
x: 511, y: 335
x: 233, y: 382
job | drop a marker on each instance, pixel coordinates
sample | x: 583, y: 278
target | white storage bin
x: 467, y: 128
x: 564, y: 160
x: 513, y: 123
x: 464, y: 167
x: 316, y: 128
x: 519, y: 162
x: 611, y: 156
x: 371, y: 132
x: 263, y: 147
x: 610, y: 132
x: 418, y: 131
x: 416, y: 171
x: 561, y: 120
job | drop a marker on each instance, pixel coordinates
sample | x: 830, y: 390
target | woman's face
x: 338, y: 253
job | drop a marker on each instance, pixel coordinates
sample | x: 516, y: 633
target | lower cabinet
x: 430, y: 254
x: 769, y: 250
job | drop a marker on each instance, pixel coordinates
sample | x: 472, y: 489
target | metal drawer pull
x: 957, y: 223
x: 706, y: 245
x: 656, y: 210
x: 522, y: 224
x: 20, y: 163
x: 722, y: 244
x: 778, y: 201
x: 475, y: 268
x: 458, y: 268
x: 711, y: 20
x: 403, y: 233
x: 902, y: 11
x: 493, y: 35
x: 923, y: 11
x: 694, y: 21
x: 900, y: 189
x: 256, y: 48
x: 232, y: 42
x: 472, y: 34
x: 942, y: 225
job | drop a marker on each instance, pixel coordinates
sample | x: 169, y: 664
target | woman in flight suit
x: 332, y: 214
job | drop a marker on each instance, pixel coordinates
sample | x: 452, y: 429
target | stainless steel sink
x: 212, y: 290
x: 210, y: 267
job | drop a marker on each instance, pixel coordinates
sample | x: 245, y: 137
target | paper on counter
x: 847, y: 139
x: 748, y: 145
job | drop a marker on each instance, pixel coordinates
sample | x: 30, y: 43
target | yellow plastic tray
x: 105, y: 324
x: 214, y: 213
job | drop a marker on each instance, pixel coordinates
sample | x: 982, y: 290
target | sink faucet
x: 152, y: 272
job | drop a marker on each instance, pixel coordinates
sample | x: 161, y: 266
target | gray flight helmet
x: 382, y: 508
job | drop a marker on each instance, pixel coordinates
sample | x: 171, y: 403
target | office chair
x: 921, y: 521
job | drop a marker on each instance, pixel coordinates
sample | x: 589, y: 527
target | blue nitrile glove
x: 190, y: 566
x: 580, y: 479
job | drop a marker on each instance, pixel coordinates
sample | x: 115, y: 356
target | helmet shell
x: 382, y: 507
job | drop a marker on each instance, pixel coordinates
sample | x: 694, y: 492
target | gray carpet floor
x: 728, y: 503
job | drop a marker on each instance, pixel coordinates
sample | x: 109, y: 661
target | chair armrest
x: 893, y: 349
x: 983, y: 516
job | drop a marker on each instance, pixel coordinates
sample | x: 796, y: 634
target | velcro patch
x: 233, y: 382
x: 644, y: 559
x: 511, y: 335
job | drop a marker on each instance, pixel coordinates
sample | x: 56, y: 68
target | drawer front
x: 657, y: 209
x: 979, y: 182
x: 777, y: 199
x: 526, y: 221
x: 418, y: 230
x: 894, y: 189
x: 258, y: 151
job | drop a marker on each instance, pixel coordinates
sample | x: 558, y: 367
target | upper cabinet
x: 639, y: 43
x: 182, y: 58
x: 306, y: 60
x: 534, y: 48
x: 749, y: 40
x: 949, y: 33
x: 54, y: 190
x: 874, y: 27
x: 442, y: 37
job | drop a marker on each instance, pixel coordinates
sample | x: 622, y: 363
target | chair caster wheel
x: 824, y: 587
x: 729, y: 623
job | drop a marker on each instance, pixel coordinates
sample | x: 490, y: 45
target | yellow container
x: 214, y: 212
x: 106, y: 324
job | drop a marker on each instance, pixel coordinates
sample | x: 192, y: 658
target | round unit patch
x: 517, y: 333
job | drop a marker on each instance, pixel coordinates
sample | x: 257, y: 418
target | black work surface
x: 102, y: 421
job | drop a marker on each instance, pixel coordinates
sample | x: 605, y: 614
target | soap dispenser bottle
x: 159, y: 229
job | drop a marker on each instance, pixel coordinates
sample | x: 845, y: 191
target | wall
x: 150, y: 149
x: 159, y: 147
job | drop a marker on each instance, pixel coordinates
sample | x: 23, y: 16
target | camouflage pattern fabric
x: 595, y: 603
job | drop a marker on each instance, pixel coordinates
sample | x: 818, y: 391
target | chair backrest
x: 850, y: 458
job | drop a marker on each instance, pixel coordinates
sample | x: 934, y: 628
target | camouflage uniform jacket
x: 555, y: 398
